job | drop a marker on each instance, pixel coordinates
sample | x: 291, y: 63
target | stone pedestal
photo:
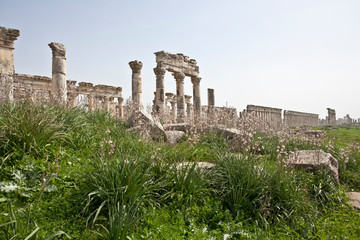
x: 7, y: 38
x: 160, y: 89
x: 59, y: 84
x: 180, y: 96
x: 136, y: 67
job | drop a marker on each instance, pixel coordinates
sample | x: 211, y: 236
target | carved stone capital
x: 159, y: 71
x: 188, y: 99
x: 196, y: 81
x: 8, y: 36
x: 58, y: 49
x: 179, y: 76
x: 136, y: 66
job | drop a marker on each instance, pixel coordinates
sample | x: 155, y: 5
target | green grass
x: 81, y: 173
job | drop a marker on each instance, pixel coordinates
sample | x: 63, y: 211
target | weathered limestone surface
x: 160, y: 89
x: 299, y: 119
x: 136, y: 67
x: 146, y: 122
x: 314, y: 160
x: 181, y: 66
x: 267, y: 114
x: 184, y: 127
x: 59, y: 84
x: 228, y: 133
x: 211, y: 104
x: 189, y: 108
x: 180, y: 96
x: 331, y: 117
x: 173, y: 136
x: 198, y: 165
x: 354, y: 199
x: 7, y: 38
x: 196, y: 95
x: 177, y: 63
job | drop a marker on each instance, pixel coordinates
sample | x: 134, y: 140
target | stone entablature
x: 177, y: 63
x: 299, y: 119
x: 267, y: 114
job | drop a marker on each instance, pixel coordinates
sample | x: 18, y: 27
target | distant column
x: 58, y: 82
x: 160, y: 89
x: 7, y: 38
x: 211, y: 102
x: 196, y: 95
x: 120, y: 107
x: 188, y: 106
x: 180, y: 96
x: 136, y: 67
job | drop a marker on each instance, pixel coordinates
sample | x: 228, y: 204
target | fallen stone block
x: 314, y: 160
x: 354, y: 199
x: 173, y: 136
x: 228, y: 133
x: 184, y: 127
x: 145, y: 122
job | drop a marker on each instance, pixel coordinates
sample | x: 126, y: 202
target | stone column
x: 58, y: 82
x: 7, y: 38
x: 120, y: 107
x: 196, y: 95
x: 173, y: 110
x: 160, y: 89
x: 180, y: 96
x: 72, y: 94
x: 211, y: 103
x: 188, y: 106
x: 136, y: 67
x: 106, y: 103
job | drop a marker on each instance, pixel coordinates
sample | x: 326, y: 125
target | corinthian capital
x: 58, y: 49
x: 8, y: 36
x: 136, y: 66
x: 159, y: 71
x: 195, y: 80
x: 179, y: 76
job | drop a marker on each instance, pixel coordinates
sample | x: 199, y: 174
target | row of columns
x: 180, y: 93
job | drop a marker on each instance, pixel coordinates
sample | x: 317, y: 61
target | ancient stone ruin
x: 267, y: 114
x: 331, y: 117
x: 179, y: 107
x: 58, y: 90
x: 298, y: 119
x: 181, y: 66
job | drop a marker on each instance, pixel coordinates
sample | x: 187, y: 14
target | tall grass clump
x: 28, y: 128
x: 118, y: 191
x: 261, y: 193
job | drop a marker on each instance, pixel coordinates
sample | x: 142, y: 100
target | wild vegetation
x: 70, y: 173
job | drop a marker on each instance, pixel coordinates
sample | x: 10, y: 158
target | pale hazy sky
x: 301, y: 55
